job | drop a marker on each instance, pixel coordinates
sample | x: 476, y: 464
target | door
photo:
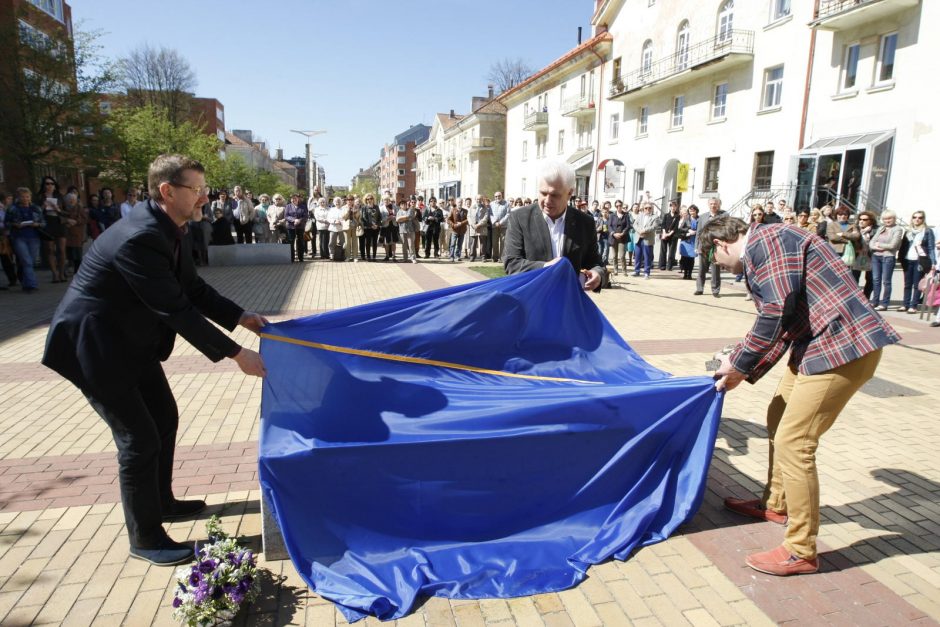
x: 670, y: 178
x: 805, y: 176
x: 852, y: 176
x: 639, y: 184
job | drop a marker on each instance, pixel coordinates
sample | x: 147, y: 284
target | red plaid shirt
x: 807, y: 300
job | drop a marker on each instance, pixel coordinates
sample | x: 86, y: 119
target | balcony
x: 838, y: 15
x: 715, y: 54
x: 434, y: 159
x: 535, y: 121
x: 578, y: 105
x: 480, y: 144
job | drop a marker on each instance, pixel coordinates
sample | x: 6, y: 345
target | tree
x: 507, y: 73
x: 159, y: 78
x: 136, y: 136
x: 49, y: 112
x: 365, y: 186
x: 234, y: 170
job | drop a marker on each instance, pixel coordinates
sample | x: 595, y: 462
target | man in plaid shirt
x: 807, y: 302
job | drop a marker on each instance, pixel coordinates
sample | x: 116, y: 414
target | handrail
x: 831, y: 7
x: 734, y: 41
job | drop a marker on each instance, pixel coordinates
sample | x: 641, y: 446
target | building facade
x: 433, y: 175
x: 397, y: 162
x: 242, y: 142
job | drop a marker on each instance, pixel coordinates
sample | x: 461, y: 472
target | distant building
x: 208, y: 113
x: 369, y: 176
x: 301, y: 164
x: 397, y: 163
x: 255, y: 153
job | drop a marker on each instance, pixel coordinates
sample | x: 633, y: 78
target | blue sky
x: 364, y: 70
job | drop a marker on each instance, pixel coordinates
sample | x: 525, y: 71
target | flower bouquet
x: 224, y: 575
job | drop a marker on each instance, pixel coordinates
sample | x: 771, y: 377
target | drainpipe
x: 597, y: 127
x: 809, y: 78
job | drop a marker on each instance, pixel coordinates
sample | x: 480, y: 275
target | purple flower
x: 207, y: 566
x: 177, y: 601
x: 217, y: 593
x: 195, y: 578
x: 236, y: 597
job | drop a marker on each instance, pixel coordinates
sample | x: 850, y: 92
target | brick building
x: 397, y: 162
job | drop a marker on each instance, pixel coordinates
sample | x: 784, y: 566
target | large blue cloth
x: 392, y: 480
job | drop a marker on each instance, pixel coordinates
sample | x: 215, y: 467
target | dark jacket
x: 619, y: 224
x: 529, y: 244
x: 131, y: 296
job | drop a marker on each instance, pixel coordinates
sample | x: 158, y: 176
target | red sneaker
x: 781, y: 563
x: 754, y: 509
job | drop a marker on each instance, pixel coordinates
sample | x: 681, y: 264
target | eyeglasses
x: 199, y: 190
x: 917, y: 217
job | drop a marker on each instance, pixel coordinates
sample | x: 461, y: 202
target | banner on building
x: 682, y: 178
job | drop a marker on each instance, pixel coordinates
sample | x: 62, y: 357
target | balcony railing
x: 577, y: 105
x: 844, y: 14
x: 735, y: 42
x: 478, y: 144
x: 536, y: 120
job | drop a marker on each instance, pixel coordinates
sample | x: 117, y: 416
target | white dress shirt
x: 556, y: 231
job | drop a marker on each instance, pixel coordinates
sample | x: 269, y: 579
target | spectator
x: 260, y: 225
x: 866, y: 226
x: 129, y: 203
x: 221, y: 229
x: 884, y: 249
x: 371, y: 217
x: 706, y: 265
x: 631, y: 244
x: 277, y: 223
x: 918, y: 257
x: 388, y: 234
x: 337, y: 219
x: 94, y: 212
x: 668, y: 241
x: 433, y: 221
x: 458, y: 220
x: 108, y: 212
x: 53, y: 234
x: 405, y: 217
x: 76, y: 220
x: 243, y: 214
x: 295, y: 217
x: 688, y: 227
x: 842, y: 235
x: 645, y: 226
x: 618, y: 232
x: 352, y: 229
x: 6, y: 246
x: 23, y: 221
x: 321, y: 217
x: 499, y: 214
x: 602, y: 227
x: 479, y: 221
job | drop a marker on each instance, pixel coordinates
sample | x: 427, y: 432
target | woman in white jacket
x: 276, y: 222
x: 336, y: 217
x: 321, y: 216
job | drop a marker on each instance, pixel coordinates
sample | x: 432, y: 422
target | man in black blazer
x: 136, y: 290
x: 549, y: 229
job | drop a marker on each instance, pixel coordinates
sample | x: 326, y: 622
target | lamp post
x: 308, y: 135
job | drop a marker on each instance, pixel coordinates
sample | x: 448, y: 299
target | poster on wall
x: 614, y: 178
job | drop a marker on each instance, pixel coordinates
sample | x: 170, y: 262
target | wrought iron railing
x: 831, y: 7
x: 708, y: 51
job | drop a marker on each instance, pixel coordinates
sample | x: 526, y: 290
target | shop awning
x: 839, y: 142
x: 603, y: 164
x: 581, y: 158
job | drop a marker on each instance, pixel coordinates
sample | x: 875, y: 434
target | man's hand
x: 252, y: 321
x: 727, y: 377
x: 593, y: 280
x: 250, y: 363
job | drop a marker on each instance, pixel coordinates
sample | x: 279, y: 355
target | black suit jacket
x: 128, y: 301
x: 529, y: 244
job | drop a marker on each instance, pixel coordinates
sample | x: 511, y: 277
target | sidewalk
x: 63, y: 549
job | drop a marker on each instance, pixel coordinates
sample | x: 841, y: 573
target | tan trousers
x: 803, y: 408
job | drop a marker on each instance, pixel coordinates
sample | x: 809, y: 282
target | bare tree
x: 507, y: 73
x: 160, y: 78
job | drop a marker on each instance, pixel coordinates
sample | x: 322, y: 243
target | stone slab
x: 249, y: 255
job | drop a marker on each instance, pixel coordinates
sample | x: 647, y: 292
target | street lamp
x: 308, y: 135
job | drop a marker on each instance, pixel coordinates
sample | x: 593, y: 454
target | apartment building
x: 397, y: 162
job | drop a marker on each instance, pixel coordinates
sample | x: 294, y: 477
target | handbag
x: 848, y: 255
x: 630, y: 246
x: 360, y: 231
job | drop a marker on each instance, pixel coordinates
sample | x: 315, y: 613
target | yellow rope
x: 418, y: 360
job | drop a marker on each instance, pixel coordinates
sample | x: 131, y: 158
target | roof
x: 283, y: 165
x: 572, y: 54
x: 447, y: 121
x: 235, y: 140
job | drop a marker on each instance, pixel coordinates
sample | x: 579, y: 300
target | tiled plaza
x: 63, y: 549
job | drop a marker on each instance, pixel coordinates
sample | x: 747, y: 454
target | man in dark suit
x: 136, y: 289
x: 550, y: 229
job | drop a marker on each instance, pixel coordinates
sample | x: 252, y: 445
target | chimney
x: 579, y: 35
x: 280, y: 154
x: 489, y: 91
x: 452, y: 114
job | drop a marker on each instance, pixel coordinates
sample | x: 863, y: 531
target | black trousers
x: 143, y: 421
x: 8, y: 269
x: 371, y: 244
x: 295, y: 238
x: 432, y: 237
x: 324, y: 237
x: 667, y: 251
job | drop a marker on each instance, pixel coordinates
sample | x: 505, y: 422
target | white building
x: 553, y: 115
x: 740, y: 100
x: 434, y: 177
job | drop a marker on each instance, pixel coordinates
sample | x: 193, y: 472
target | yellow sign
x: 682, y: 178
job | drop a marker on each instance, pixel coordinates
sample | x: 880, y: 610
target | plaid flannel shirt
x: 807, y: 300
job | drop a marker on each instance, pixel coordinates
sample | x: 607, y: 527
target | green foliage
x: 51, y: 91
x: 366, y: 186
x: 490, y: 272
x: 138, y: 135
x: 233, y: 170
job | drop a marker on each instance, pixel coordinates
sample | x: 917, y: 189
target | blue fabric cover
x: 392, y: 480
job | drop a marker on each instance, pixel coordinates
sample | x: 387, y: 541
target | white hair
x: 887, y: 213
x: 557, y: 172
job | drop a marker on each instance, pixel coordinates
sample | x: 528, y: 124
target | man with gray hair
x: 548, y: 230
x: 499, y: 209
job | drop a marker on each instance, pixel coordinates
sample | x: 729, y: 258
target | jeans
x: 882, y: 267
x: 408, y: 246
x: 143, y: 422
x: 603, y: 246
x: 324, y: 237
x: 912, y: 274
x: 27, y: 251
x: 644, y: 257
x: 456, y: 244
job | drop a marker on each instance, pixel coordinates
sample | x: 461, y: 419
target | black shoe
x: 716, y: 294
x: 182, y: 509
x: 697, y: 293
x: 935, y: 324
x: 168, y: 553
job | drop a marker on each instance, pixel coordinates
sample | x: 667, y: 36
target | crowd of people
x: 631, y: 239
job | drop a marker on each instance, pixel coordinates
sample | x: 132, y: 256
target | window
x: 52, y: 7
x: 220, y: 115
x: 525, y: 150
x: 401, y: 148
x: 585, y: 131
x: 642, y: 121
x: 561, y: 142
x: 646, y: 63
x: 779, y: 9
x: 618, y: 65
x: 712, y: 164
x: 561, y: 95
x: 615, y: 127
x: 726, y: 21
x: 522, y: 187
x: 720, y: 102
x: 678, y: 109
x: 682, y: 46
x: 889, y: 45
x: 773, y: 87
x: 401, y: 172
x: 540, y: 146
x: 401, y: 159
x: 401, y: 183
x: 763, y: 169
x: 850, y: 67
x: 221, y: 135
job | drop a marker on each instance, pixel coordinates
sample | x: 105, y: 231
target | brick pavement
x: 63, y: 551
